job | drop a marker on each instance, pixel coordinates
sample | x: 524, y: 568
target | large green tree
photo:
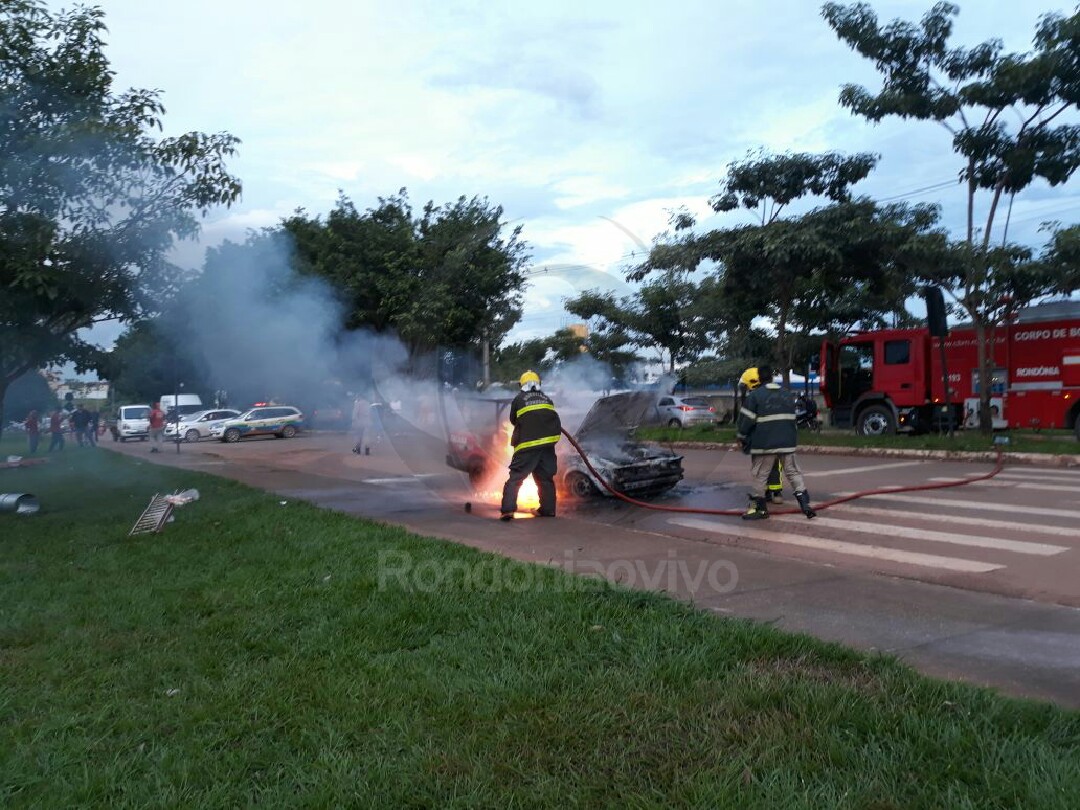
x: 449, y: 277
x: 91, y: 200
x: 823, y: 270
x: 1062, y: 258
x: 1006, y: 115
x: 659, y: 316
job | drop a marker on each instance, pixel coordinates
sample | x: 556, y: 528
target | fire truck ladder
x: 153, y: 517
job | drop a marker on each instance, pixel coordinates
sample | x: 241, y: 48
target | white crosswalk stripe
x: 840, y: 547
x: 1015, y: 546
x: 855, y: 507
x: 1027, y: 473
x: 981, y: 506
x: 856, y: 470
x: 1015, y: 484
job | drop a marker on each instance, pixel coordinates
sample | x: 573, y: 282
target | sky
x: 588, y: 122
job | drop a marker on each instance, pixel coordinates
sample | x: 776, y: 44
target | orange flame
x: 490, y: 489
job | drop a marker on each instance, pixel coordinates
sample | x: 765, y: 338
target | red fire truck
x: 890, y: 380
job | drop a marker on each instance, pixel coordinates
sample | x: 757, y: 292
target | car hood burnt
x: 626, y: 464
x: 611, y: 419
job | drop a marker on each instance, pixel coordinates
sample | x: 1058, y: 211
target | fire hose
x: 998, y: 464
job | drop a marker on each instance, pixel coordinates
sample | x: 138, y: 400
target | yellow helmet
x: 750, y: 378
x: 529, y: 377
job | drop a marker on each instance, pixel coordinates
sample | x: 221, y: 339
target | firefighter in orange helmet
x: 774, y: 489
x: 536, y: 432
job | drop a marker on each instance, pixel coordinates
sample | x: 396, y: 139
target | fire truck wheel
x: 579, y: 485
x: 877, y: 420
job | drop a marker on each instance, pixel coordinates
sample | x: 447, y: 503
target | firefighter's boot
x: 757, y: 510
x: 774, y: 496
x: 804, y: 503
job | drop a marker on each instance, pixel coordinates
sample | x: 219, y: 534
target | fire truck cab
x: 890, y: 380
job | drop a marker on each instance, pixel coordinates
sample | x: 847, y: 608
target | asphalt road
x: 979, y: 582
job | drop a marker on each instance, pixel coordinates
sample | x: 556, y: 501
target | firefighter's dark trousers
x: 541, y: 464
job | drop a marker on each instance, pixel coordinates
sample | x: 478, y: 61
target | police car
x: 280, y: 421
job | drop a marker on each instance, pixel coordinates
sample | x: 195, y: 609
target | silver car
x: 683, y: 412
x: 197, y: 425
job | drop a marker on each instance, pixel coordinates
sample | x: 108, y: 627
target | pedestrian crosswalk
x: 841, y: 547
x: 984, y: 531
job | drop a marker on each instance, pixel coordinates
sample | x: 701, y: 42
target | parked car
x: 684, y: 412
x: 131, y: 422
x: 197, y: 425
x: 281, y: 421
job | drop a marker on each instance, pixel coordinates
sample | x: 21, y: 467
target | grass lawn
x: 1020, y: 441
x: 248, y: 655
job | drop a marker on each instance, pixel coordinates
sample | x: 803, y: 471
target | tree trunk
x: 986, y: 423
x: 781, y: 343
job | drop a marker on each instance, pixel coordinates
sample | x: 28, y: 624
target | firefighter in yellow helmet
x: 767, y: 430
x: 536, y: 432
x: 774, y: 489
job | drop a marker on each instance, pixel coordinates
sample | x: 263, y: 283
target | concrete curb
x: 1028, y: 459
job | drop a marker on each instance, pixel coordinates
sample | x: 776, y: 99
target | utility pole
x: 485, y: 358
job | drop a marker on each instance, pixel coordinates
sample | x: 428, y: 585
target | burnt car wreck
x: 479, y: 445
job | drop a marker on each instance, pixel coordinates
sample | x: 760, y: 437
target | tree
x: 1061, y: 257
x: 822, y: 270
x: 448, y: 278
x: 660, y: 315
x: 1003, y: 112
x: 29, y: 392
x: 539, y: 354
x: 90, y: 201
x: 769, y: 183
x: 148, y: 360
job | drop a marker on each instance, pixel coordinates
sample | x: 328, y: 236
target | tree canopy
x: 1004, y: 112
x: 827, y: 269
x: 90, y: 200
x: 447, y: 277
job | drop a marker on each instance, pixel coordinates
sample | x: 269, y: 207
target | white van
x: 132, y: 422
x: 188, y: 404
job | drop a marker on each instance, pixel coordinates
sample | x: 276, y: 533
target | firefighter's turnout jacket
x: 535, y: 420
x: 767, y: 420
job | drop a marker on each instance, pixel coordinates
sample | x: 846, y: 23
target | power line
x: 924, y: 190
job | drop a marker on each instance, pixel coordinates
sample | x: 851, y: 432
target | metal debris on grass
x: 160, y: 510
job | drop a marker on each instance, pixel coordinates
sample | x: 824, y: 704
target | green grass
x: 1020, y: 441
x: 247, y: 655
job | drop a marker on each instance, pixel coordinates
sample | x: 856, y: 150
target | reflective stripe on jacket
x: 535, y: 420
x: 767, y: 418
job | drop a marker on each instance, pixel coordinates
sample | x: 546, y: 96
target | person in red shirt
x: 33, y: 431
x: 157, y: 425
x: 56, y: 430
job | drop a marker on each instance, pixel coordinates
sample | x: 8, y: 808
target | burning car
x: 479, y: 445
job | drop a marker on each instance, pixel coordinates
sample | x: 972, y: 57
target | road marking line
x: 840, y: 547
x: 407, y: 479
x: 1012, y: 508
x: 873, y: 468
x: 1012, y: 484
x: 879, y: 529
x: 1054, y: 475
x: 1005, y: 525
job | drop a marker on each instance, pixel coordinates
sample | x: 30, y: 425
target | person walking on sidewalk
x: 33, y: 431
x: 157, y: 426
x: 536, y: 432
x: 56, y: 430
x: 766, y: 428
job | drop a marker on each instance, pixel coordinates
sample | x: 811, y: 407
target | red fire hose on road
x: 998, y: 464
